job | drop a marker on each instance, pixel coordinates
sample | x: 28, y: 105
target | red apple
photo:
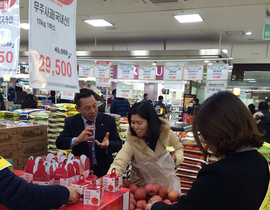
x: 157, y: 185
x: 155, y: 198
x: 133, y: 188
x: 133, y: 201
x: 140, y: 204
x: 131, y: 206
x: 126, y: 183
x: 132, y: 195
x: 151, y: 189
x: 163, y: 192
x: 173, y: 195
x: 167, y: 201
x: 140, y: 194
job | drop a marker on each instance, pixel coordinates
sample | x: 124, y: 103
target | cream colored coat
x: 136, y: 149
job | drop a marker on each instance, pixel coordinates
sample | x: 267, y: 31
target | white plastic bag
x: 160, y: 169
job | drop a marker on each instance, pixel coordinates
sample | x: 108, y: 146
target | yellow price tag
x: 3, y: 163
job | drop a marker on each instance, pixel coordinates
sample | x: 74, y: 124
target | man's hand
x: 73, y: 195
x: 105, y: 143
x: 86, y: 135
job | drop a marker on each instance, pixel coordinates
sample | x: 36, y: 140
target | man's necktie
x: 90, y: 145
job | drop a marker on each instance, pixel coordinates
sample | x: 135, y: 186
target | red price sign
x: 6, y: 56
x: 60, y: 67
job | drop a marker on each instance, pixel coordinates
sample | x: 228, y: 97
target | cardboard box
x: 31, y: 133
x: 8, y: 136
x: 32, y: 148
x: 9, y: 151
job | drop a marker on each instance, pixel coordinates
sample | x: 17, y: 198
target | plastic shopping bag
x: 160, y: 169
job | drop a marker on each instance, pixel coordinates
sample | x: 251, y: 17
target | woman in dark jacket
x: 29, y: 101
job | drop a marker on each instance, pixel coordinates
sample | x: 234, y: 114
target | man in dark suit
x: 91, y: 133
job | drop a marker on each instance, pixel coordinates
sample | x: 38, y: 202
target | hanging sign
x: 124, y: 91
x: 173, y: 72
x: 193, y: 73
x: 210, y: 90
x: 103, y: 69
x: 67, y: 95
x: 52, y: 45
x: 216, y: 83
x: 147, y: 72
x: 125, y: 72
x: 266, y: 28
x: 175, y: 85
x: 217, y: 72
x: 86, y: 70
x: 9, y: 36
x: 101, y: 82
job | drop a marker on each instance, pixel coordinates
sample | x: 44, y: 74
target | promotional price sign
x: 67, y: 95
x: 103, y: 69
x: 86, y: 70
x: 124, y: 91
x: 193, y: 72
x: 125, y: 72
x: 209, y: 91
x: 100, y: 82
x: 217, y: 72
x: 173, y: 72
x: 9, y: 36
x: 216, y: 83
x: 147, y: 72
x: 52, y: 45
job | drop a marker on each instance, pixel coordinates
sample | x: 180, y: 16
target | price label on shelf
x: 9, y: 36
x: 101, y: 82
x: 67, y: 95
x: 52, y: 45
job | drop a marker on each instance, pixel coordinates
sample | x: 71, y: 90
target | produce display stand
x: 115, y: 201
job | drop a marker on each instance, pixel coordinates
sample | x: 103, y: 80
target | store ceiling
x: 146, y: 25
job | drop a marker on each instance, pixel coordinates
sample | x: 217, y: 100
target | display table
x: 112, y: 201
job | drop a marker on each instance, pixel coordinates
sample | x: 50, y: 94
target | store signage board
x: 124, y: 91
x: 103, y: 69
x: 86, y: 70
x: 9, y: 36
x: 125, y: 71
x: 266, y: 28
x: 173, y: 72
x: 52, y: 45
x: 216, y: 83
x: 67, y: 95
x: 210, y: 90
x: 217, y: 72
x: 101, y: 82
x: 193, y: 72
x: 175, y: 85
x: 147, y: 73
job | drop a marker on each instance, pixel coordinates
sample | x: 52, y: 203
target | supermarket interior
x: 51, y: 49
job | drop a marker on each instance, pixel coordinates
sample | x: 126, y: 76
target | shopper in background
x: 264, y: 108
x: 2, y: 102
x: 252, y: 108
x: 263, y: 124
x: 160, y: 107
x: 239, y: 180
x: 119, y: 105
x: 145, y: 97
x: 196, y: 105
x: 101, y: 104
x: 90, y: 133
x: 29, y: 101
x: 16, y: 193
x: 146, y: 137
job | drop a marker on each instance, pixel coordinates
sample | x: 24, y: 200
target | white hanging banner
x: 217, y: 72
x: 67, y: 95
x: 86, y: 70
x: 147, y: 72
x: 210, y: 90
x: 9, y: 36
x: 193, y: 72
x: 103, y: 82
x: 125, y: 71
x: 176, y: 85
x: 103, y: 69
x: 52, y: 45
x: 216, y: 83
x: 173, y: 72
x: 124, y: 91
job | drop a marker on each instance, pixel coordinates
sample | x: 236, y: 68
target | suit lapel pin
x: 101, y: 124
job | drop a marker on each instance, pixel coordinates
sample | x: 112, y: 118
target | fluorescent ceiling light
x: 210, y: 64
x: 192, y: 18
x: 206, y: 61
x: 248, y: 33
x: 25, y: 26
x: 252, y: 81
x: 249, y: 79
x: 98, y: 22
x: 225, y: 50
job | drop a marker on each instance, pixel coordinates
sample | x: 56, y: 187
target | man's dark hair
x: 114, y: 92
x: 144, y: 95
x: 84, y: 93
x: 263, y: 106
x: 160, y: 98
x: 196, y: 99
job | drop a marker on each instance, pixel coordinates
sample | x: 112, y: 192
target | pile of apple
x: 140, y: 196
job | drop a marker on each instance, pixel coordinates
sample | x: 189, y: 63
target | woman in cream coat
x: 146, y: 137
